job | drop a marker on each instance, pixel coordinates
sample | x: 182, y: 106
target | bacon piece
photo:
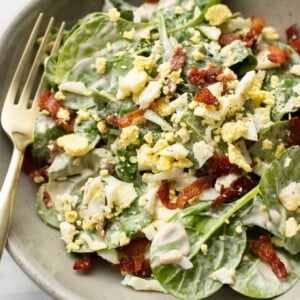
x: 49, y: 103
x: 295, y: 45
x: 84, y: 264
x: 164, y: 196
x: 204, y: 77
x: 228, y: 37
x: 293, y: 37
x: 205, y: 96
x: 194, y: 190
x: 178, y: 59
x: 262, y: 247
x: 127, y: 119
x: 257, y: 25
x: 134, y: 260
x: 152, y: 1
x: 47, y: 200
x: 292, y: 33
x: 239, y: 187
x: 278, y: 55
x: 41, y: 173
x: 220, y: 166
x: 294, y: 136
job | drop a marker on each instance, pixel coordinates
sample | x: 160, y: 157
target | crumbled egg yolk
x: 236, y: 156
x: 133, y: 83
x: 196, y: 37
x: 232, y: 131
x: 129, y: 35
x: 270, y: 33
x: 73, y: 144
x: 114, y: 15
x: 100, y: 65
x: 143, y: 62
x: 71, y: 216
x: 63, y: 114
x: 291, y: 227
x: 129, y: 136
x: 162, y: 157
x: 148, y: 137
x: 218, y: 14
x: 197, y: 55
x: 162, y: 107
x: 82, y: 115
x: 179, y: 10
x: 101, y: 126
x: 59, y: 95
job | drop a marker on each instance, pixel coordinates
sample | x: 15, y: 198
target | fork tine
x: 43, y: 81
x: 27, y: 89
x: 12, y: 91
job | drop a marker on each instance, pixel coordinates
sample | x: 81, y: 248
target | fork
x: 19, y: 114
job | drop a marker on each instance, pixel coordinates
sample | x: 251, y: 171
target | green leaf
x: 277, y: 134
x: 89, y: 38
x: 225, y: 253
x: 255, y: 279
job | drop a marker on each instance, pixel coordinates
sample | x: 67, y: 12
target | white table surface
x: 14, y: 284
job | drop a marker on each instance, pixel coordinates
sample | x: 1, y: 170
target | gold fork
x: 19, y: 114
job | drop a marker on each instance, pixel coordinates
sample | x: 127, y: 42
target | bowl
x: 37, y: 248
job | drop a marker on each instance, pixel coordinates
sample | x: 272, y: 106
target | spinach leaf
x: 66, y: 177
x: 277, y: 135
x: 226, y: 253
x: 45, y: 130
x: 129, y: 224
x: 280, y: 174
x: 126, y: 167
x: 90, y: 37
x: 285, y: 96
x: 255, y: 279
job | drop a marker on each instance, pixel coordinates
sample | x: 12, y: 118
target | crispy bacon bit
x: 49, y: 103
x: 228, y: 37
x: 204, y: 77
x: 294, y: 136
x: 257, y: 25
x: 47, y: 200
x: 262, y: 247
x: 292, y: 33
x: 178, y: 59
x: 239, y: 187
x: 205, y: 96
x: 84, y: 264
x: 278, y: 55
x: 152, y: 1
x: 293, y: 37
x: 127, y: 119
x: 40, y: 175
x: 295, y: 45
x: 220, y: 166
x: 194, y: 190
x: 164, y: 196
x: 134, y: 260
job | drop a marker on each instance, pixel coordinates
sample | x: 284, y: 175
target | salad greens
x: 168, y: 144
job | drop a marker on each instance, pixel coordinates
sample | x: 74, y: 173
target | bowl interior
x: 37, y: 247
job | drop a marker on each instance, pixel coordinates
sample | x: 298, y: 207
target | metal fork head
x: 20, y: 107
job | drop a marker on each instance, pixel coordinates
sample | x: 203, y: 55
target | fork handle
x: 7, y: 195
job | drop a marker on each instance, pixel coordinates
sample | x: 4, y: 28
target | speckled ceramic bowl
x: 37, y: 247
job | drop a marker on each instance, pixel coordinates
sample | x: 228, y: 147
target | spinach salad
x: 168, y: 145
